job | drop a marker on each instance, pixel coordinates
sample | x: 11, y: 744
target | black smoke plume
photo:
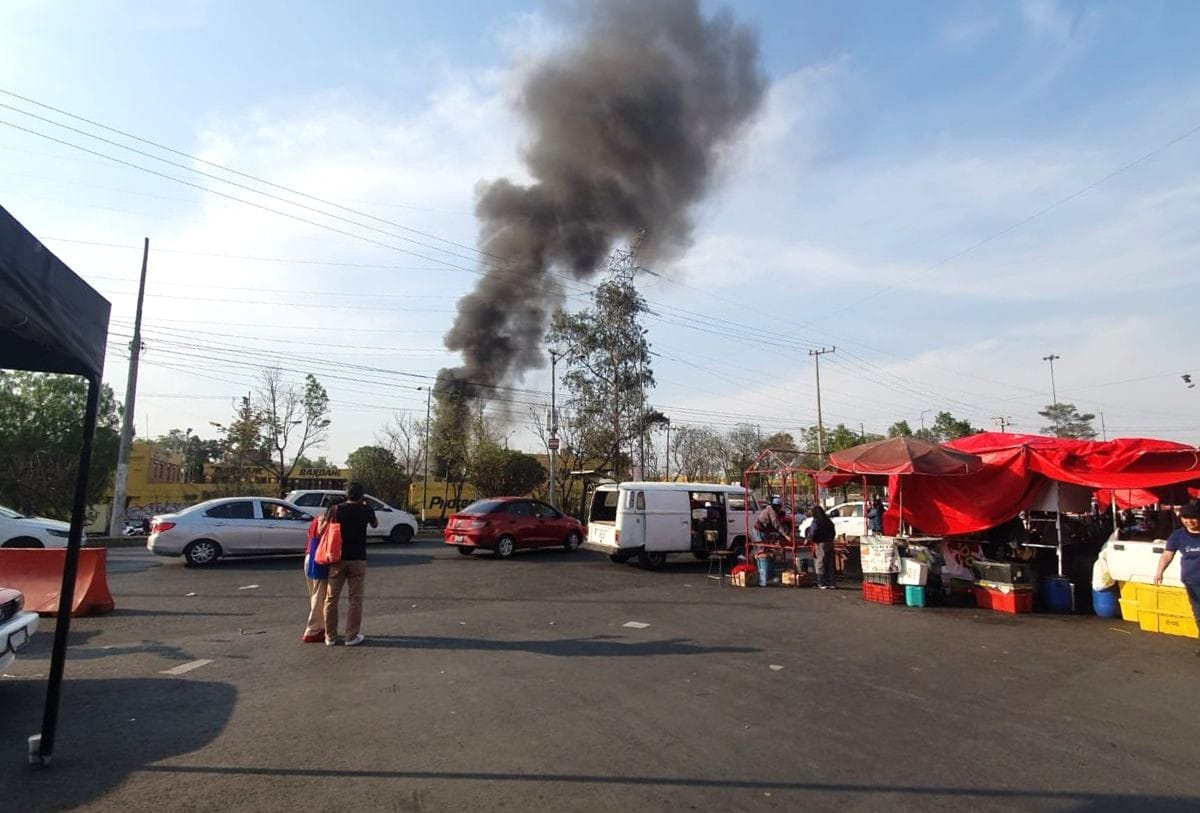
x: 627, y: 125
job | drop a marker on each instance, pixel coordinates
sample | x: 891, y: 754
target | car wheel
x: 618, y: 558
x: 201, y: 553
x: 505, y: 547
x: 23, y: 542
x: 401, y: 534
x: 573, y: 542
x: 652, y: 560
x: 465, y: 551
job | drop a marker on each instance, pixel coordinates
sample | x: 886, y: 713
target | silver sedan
x: 232, y: 526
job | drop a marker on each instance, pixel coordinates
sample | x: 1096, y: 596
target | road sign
x: 552, y: 443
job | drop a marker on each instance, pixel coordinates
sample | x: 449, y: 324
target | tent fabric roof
x: 904, y: 455
x: 50, y: 319
x: 1016, y: 468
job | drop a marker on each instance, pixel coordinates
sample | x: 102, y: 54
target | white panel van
x: 652, y: 520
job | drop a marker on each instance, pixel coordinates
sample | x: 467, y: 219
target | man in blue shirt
x: 1186, y: 542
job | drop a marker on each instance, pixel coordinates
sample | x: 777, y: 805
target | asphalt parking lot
x: 517, y: 685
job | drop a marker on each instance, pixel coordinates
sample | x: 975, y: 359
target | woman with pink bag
x: 317, y: 576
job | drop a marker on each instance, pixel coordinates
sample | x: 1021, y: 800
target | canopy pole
x: 1058, y: 532
x: 41, y: 746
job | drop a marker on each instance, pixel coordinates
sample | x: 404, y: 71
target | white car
x: 232, y: 526
x: 849, y: 520
x: 17, y: 626
x: 394, y: 525
x: 20, y: 531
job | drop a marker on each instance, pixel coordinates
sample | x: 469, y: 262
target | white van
x: 652, y: 520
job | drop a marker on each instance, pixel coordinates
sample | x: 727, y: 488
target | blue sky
x: 920, y: 190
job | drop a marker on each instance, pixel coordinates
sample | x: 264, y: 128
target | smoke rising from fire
x: 627, y: 125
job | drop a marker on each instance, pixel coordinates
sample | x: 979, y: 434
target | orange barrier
x: 38, y: 572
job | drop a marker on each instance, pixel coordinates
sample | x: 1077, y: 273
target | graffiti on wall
x: 149, y: 509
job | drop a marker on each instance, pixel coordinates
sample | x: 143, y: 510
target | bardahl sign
x: 319, y: 473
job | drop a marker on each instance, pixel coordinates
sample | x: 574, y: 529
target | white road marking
x: 186, y: 667
x: 249, y: 587
x: 635, y: 625
x: 776, y: 667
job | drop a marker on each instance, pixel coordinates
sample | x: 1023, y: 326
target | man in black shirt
x: 353, y: 516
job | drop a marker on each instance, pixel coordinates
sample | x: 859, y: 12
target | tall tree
x: 195, y: 451
x: 404, y: 437
x: 946, y: 427
x: 899, y: 429
x: 450, y: 446
x: 608, y: 366
x: 242, y: 448
x: 293, y: 420
x: 380, y: 473
x: 41, y: 430
x: 1068, y: 422
x: 500, y: 472
x: 697, y: 453
x: 742, y: 446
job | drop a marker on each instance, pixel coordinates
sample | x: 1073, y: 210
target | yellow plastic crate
x: 1163, y: 599
x: 1184, y: 625
x: 1168, y: 623
x: 1129, y: 591
x: 1129, y: 609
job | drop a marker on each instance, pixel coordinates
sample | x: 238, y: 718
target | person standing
x: 822, y: 534
x: 1185, y: 541
x: 772, y: 522
x: 317, y: 576
x: 354, y: 515
x: 875, y: 517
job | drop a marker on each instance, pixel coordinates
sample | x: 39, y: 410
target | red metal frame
x: 787, y: 466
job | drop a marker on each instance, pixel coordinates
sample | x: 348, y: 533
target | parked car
x: 849, y: 519
x: 17, y: 625
x: 394, y: 525
x: 505, y: 525
x: 20, y: 531
x: 232, y: 526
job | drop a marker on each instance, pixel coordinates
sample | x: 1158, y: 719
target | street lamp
x: 923, y: 411
x: 1053, y: 390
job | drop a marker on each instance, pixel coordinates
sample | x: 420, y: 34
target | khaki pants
x: 317, y: 589
x: 354, y: 575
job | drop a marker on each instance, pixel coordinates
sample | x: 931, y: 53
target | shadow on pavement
x: 107, y: 730
x: 1079, y: 801
x: 599, y: 646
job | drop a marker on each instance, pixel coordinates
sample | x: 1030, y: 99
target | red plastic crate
x: 883, y: 593
x: 1015, y: 601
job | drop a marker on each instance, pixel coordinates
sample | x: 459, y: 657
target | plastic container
x: 1129, y: 609
x: 1168, y: 623
x: 914, y: 595
x: 913, y: 572
x: 1104, y: 602
x: 763, y: 563
x: 1163, y: 599
x: 1004, y: 601
x: 1058, y: 594
x: 883, y: 593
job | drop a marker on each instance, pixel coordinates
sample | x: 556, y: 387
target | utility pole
x: 553, y: 441
x: 816, y: 354
x: 425, y: 486
x: 1103, y: 430
x: 923, y: 411
x: 1003, y: 421
x: 121, y: 486
x: 1053, y: 390
x: 668, y: 451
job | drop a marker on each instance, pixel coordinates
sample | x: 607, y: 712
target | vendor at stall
x: 1186, y: 542
x: 773, y: 521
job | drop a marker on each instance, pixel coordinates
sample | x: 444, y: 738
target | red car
x: 504, y: 524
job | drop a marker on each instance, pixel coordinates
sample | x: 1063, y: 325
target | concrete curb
x: 115, y: 542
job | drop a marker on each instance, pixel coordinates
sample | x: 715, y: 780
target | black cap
x: 1190, y: 511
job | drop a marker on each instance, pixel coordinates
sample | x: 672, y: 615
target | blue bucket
x: 1058, y: 594
x: 1104, y: 602
x: 764, y: 570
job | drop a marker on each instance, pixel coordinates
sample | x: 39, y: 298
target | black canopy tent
x: 52, y: 321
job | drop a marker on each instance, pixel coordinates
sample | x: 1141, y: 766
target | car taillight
x: 617, y: 537
x: 159, y: 527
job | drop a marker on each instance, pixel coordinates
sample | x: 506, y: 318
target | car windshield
x: 10, y: 514
x: 483, y: 507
